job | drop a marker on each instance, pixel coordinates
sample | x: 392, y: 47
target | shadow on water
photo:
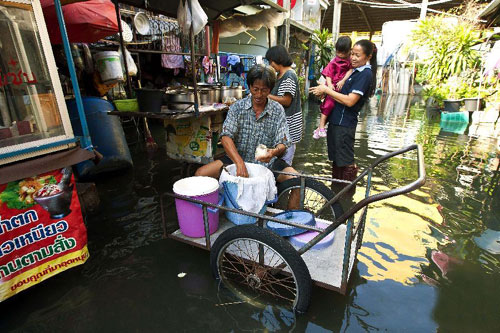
x: 430, y: 260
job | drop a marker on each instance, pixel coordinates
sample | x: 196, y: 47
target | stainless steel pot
x: 211, y: 86
x: 175, y: 99
x: 218, y: 98
x: 208, y: 96
x: 233, y: 91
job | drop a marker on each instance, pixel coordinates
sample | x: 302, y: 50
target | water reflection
x: 430, y: 258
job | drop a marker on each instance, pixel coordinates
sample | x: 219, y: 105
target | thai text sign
x: 41, y: 230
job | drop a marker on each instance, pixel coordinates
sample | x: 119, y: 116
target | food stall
x: 193, y: 106
x: 41, y: 225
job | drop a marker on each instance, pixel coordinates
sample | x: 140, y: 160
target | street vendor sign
x: 41, y: 230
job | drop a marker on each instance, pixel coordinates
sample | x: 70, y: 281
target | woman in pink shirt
x: 336, y: 73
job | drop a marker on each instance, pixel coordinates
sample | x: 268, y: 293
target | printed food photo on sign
x: 41, y: 230
x: 56, y: 198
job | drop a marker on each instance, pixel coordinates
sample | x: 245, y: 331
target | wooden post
x: 368, y: 23
x: 337, y: 9
x: 193, y: 66
x: 423, y: 9
x: 122, y: 45
x: 286, y: 3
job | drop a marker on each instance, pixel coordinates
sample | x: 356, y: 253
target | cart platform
x: 325, y: 265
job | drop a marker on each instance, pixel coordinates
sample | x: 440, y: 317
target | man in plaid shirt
x: 251, y: 121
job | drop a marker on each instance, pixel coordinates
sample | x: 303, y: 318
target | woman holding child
x: 343, y: 119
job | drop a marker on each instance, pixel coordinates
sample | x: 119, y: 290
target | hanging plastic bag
x: 199, y: 17
x: 132, y: 67
x: 184, y: 17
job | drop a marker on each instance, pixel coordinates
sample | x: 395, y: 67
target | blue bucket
x: 230, y: 194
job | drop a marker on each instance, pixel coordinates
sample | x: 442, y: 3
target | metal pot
x: 207, y: 96
x: 175, y: 99
x: 212, y: 86
x: 233, y: 91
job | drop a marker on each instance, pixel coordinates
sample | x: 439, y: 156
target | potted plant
x: 472, y: 99
x: 453, y: 91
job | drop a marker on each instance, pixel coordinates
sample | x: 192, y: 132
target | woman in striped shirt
x: 286, y: 92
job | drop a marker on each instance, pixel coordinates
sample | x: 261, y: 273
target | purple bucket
x: 189, y: 214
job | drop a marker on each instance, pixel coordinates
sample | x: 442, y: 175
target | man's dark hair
x: 264, y: 73
x: 279, y: 55
x: 343, y: 44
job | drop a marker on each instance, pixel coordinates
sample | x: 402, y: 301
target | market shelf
x: 171, y: 114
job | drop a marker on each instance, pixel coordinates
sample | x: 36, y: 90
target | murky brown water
x: 429, y: 261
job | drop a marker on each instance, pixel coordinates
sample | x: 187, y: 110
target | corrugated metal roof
x: 352, y: 18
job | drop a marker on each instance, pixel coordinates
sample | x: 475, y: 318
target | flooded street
x: 430, y: 260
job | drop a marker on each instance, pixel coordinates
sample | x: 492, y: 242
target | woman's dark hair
x: 343, y: 44
x: 264, y: 73
x: 370, y: 49
x: 279, y: 55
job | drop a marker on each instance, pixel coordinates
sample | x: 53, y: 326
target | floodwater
x: 430, y: 260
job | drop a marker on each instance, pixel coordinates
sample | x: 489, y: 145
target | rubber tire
x: 316, y: 186
x: 278, y: 244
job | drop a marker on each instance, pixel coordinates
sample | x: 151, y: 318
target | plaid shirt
x: 270, y: 129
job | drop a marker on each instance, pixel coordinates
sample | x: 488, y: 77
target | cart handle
x: 373, y: 198
x: 391, y: 193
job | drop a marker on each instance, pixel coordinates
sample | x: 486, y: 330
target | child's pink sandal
x: 319, y: 133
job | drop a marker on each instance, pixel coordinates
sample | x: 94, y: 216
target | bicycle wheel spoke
x: 275, y: 293
x: 236, y: 268
x: 258, y: 270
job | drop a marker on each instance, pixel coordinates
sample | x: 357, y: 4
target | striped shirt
x: 247, y: 132
x: 289, y: 84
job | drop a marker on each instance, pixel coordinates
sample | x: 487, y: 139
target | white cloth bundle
x: 254, y: 191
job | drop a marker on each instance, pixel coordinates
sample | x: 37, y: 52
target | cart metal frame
x: 350, y: 232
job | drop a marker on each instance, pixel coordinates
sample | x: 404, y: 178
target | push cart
x: 257, y: 264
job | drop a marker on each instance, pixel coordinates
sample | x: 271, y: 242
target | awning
x: 213, y: 8
x: 86, y: 22
x: 39, y: 165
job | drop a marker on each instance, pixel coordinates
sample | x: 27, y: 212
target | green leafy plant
x: 322, y: 39
x: 450, y: 66
x: 448, y: 45
x: 302, y: 85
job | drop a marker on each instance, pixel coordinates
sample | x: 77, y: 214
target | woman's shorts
x: 340, y: 140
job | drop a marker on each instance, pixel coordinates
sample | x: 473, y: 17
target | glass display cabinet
x: 33, y: 115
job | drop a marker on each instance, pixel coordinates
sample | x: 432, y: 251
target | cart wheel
x: 316, y: 196
x: 257, y: 266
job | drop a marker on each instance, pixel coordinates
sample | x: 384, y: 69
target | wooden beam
x: 361, y: 9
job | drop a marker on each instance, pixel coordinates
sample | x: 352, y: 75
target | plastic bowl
x: 127, y: 105
x: 296, y: 216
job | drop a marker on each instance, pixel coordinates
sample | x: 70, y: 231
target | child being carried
x: 336, y: 73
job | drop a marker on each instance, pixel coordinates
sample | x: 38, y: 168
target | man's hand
x: 267, y: 157
x: 241, y: 170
